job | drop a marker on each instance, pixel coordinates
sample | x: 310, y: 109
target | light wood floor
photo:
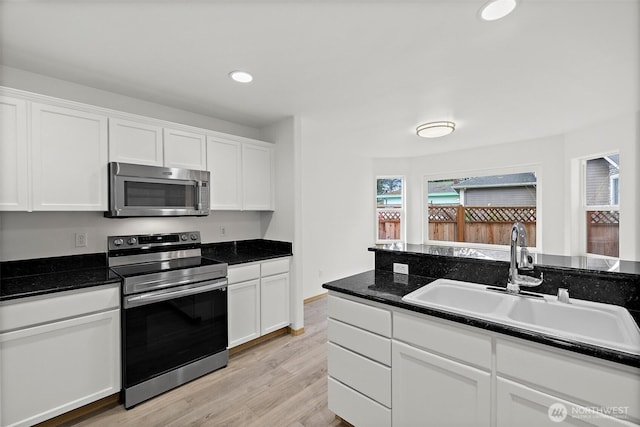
x: 279, y: 383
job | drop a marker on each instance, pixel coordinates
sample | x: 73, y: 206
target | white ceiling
x: 366, y: 72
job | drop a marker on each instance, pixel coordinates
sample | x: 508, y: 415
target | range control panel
x: 140, y: 241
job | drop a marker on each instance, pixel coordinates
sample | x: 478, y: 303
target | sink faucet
x: 515, y: 280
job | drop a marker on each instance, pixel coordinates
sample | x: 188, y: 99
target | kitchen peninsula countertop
x: 388, y: 288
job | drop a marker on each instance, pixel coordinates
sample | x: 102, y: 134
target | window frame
x: 402, y: 209
x: 525, y: 168
x: 584, y: 207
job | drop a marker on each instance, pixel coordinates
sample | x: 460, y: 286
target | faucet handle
x: 563, y: 295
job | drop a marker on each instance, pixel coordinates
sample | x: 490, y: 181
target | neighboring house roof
x: 614, y: 160
x: 511, y: 180
x: 441, y: 187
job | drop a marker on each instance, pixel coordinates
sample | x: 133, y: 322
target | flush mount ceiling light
x: 435, y: 129
x: 496, y: 9
x: 240, y: 76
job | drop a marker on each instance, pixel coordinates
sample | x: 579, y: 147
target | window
x: 389, y: 209
x: 601, y: 184
x: 481, y: 209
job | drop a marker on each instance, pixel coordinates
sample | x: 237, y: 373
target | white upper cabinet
x: 224, y: 161
x: 184, y: 150
x: 134, y: 142
x: 148, y: 144
x: 13, y: 155
x: 257, y: 171
x: 69, y: 159
x: 241, y: 175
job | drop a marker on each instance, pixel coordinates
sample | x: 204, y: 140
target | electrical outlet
x: 400, y: 268
x: 223, y: 230
x: 81, y: 240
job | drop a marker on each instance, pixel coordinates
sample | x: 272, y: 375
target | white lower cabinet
x: 258, y: 299
x: 441, y: 374
x: 244, y: 311
x: 359, y: 359
x: 523, y: 406
x: 430, y: 390
x: 532, y: 378
x: 445, y: 373
x: 51, y: 363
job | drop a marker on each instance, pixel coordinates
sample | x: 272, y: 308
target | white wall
x: 48, y: 234
x: 285, y: 223
x: 337, y: 208
x: 620, y: 134
x: 24, y: 80
x: 554, y: 159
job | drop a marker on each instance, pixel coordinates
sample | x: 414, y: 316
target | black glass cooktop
x: 162, y: 266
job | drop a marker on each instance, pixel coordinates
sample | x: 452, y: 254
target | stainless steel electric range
x: 174, y: 312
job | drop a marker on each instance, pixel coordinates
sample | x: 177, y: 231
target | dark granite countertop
x: 243, y: 251
x: 27, y: 278
x: 32, y: 277
x: 389, y: 288
x: 591, y: 264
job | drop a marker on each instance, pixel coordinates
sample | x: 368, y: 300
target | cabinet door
x: 257, y: 190
x: 53, y: 368
x: 184, y: 150
x: 132, y: 142
x: 244, y: 312
x: 224, y: 164
x: 69, y: 159
x: 274, y: 309
x: 518, y: 405
x: 429, y: 390
x: 14, y: 162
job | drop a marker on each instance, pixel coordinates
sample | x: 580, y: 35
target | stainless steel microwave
x: 140, y: 190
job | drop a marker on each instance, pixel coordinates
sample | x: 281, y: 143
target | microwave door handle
x: 199, y: 195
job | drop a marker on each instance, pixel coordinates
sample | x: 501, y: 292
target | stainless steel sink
x: 600, y: 324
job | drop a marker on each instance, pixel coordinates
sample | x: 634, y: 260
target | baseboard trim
x: 83, y: 411
x: 343, y: 421
x: 259, y: 340
x: 315, y: 298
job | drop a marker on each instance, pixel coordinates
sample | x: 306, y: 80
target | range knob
x: 183, y: 237
x: 118, y: 242
x: 132, y: 241
x: 194, y: 236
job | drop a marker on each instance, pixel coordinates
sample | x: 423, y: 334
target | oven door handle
x: 169, y: 294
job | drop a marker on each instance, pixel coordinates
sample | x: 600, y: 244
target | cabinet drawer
x: 356, y: 408
x: 365, y: 343
x: 579, y: 379
x: 242, y: 273
x: 443, y: 338
x: 269, y: 268
x: 372, y: 319
x: 368, y: 377
x: 64, y: 305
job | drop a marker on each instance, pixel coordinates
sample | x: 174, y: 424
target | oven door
x: 167, y: 329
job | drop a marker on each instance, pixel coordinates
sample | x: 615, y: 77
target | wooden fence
x: 603, y: 232
x: 388, y: 225
x: 480, y: 224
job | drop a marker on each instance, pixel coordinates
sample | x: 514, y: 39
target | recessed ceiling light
x: 241, y: 76
x: 496, y: 9
x: 435, y: 129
